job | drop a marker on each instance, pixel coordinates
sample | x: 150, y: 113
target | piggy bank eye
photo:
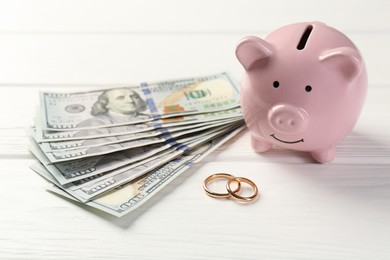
x: 308, y: 88
x: 276, y: 84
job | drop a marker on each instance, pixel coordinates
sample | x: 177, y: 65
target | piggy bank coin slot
x: 305, y: 37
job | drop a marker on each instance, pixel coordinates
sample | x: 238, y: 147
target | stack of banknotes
x: 115, y: 148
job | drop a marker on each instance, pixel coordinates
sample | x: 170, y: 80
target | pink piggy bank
x: 303, y: 89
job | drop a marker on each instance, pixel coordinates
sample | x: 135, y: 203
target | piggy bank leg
x: 324, y: 156
x: 259, y: 145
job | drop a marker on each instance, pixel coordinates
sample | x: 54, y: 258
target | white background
x: 306, y: 210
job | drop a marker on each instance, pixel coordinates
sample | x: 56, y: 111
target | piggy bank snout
x: 287, y: 119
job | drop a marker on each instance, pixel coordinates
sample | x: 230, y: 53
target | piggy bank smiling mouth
x: 287, y: 142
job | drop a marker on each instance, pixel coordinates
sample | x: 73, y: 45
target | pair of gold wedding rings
x: 233, y: 187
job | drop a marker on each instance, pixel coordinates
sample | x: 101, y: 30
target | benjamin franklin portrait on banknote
x: 116, y: 106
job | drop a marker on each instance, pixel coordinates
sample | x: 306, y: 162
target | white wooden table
x: 306, y: 210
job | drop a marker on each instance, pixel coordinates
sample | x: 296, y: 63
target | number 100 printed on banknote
x: 136, y: 104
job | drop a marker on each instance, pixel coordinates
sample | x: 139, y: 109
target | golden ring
x: 213, y: 194
x: 236, y: 196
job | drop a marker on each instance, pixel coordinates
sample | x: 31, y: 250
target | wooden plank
x: 188, y: 16
x: 41, y: 59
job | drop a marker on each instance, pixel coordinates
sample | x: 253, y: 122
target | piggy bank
x: 303, y: 89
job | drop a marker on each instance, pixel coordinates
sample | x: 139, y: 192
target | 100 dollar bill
x: 136, y: 104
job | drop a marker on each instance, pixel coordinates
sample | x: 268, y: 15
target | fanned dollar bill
x: 137, y: 104
x: 158, y: 124
x: 73, y: 170
x: 173, y: 132
x: 130, y: 196
x: 98, y: 145
x: 67, y: 155
x: 88, y: 188
x: 85, y: 191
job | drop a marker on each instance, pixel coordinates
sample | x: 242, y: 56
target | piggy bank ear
x: 251, y: 51
x: 343, y: 60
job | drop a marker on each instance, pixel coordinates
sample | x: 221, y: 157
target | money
x: 159, y: 125
x: 88, y: 188
x: 159, y: 133
x: 137, y: 104
x: 85, y: 191
x: 94, y: 145
x: 78, y: 153
x: 128, y: 197
x: 73, y: 170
